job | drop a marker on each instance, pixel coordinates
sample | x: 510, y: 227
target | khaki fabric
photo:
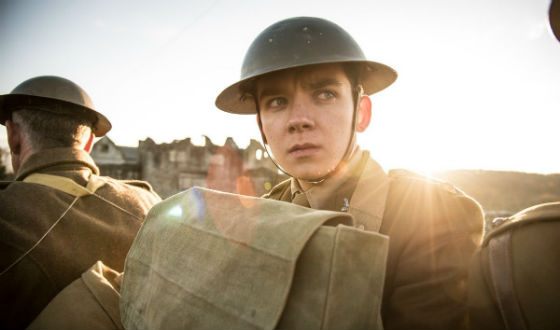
x: 433, y: 231
x: 100, y: 226
x: 89, y: 303
x: 337, y: 282
x: 533, y: 277
x: 362, y: 193
x: 319, y: 196
x: 211, y: 260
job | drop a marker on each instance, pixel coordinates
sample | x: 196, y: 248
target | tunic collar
x: 361, y: 189
x: 57, y: 159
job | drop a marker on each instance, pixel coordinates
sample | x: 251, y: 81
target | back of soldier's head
x: 51, y: 130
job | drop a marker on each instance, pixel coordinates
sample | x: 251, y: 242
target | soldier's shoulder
x: 409, y: 180
x: 4, y: 184
x: 277, y: 190
x: 534, y: 214
x: 144, y: 185
x: 435, y: 201
x: 418, y: 188
x: 139, y: 183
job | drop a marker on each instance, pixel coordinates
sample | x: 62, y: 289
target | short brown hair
x: 51, y: 130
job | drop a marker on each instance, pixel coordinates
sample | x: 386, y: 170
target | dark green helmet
x: 297, y: 42
x: 554, y: 17
x: 56, y: 95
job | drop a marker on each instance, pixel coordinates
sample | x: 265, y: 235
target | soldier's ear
x: 14, y: 136
x: 16, y: 143
x: 364, y: 113
x: 89, y: 143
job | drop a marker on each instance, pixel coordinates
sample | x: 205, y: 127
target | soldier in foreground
x: 59, y: 216
x: 308, y: 83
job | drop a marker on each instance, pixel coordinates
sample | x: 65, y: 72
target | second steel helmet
x: 56, y: 95
x: 554, y: 17
x: 297, y: 42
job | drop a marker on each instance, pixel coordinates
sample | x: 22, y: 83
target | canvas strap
x: 66, y: 185
x: 501, y: 273
x: 63, y: 184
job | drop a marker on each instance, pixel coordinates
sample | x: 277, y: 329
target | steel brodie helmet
x: 56, y: 95
x: 554, y: 17
x: 297, y: 42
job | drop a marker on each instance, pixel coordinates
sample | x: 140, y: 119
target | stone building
x: 117, y: 161
x: 179, y: 165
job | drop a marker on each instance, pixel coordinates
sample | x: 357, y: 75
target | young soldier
x: 59, y: 216
x: 308, y: 82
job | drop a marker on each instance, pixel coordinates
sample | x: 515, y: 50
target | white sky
x: 478, y: 86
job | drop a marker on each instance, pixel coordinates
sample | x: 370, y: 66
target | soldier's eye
x: 326, y: 95
x: 276, y: 102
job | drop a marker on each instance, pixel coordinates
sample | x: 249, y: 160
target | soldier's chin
x: 314, y: 176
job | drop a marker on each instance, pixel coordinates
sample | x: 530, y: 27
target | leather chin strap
x: 347, y: 153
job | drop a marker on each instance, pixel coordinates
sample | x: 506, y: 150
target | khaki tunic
x: 433, y: 232
x: 97, y: 227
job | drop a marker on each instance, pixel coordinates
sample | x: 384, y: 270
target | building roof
x: 130, y: 154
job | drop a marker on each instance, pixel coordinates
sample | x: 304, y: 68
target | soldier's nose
x: 300, y: 124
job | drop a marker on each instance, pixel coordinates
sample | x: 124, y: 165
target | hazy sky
x: 478, y: 86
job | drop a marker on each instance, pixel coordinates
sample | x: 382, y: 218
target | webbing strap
x: 501, y: 272
x: 66, y: 185
x: 63, y: 184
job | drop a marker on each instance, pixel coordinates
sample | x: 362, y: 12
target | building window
x: 157, y: 159
x: 181, y: 157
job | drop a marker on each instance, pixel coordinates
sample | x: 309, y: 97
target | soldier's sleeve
x: 434, y: 230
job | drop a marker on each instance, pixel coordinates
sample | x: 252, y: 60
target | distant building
x: 117, y: 161
x: 179, y: 165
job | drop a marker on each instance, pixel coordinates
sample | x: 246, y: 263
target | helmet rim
x: 36, y: 94
x: 298, y: 42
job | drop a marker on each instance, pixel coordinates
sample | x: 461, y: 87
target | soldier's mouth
x: 304, y: 149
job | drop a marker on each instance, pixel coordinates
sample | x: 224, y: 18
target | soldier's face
x: 306, y: 117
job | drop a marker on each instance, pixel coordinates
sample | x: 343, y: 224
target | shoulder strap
x: 66, y: 185
x: 501, y: 273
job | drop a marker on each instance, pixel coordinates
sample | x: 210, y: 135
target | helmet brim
x: 374, y: 78
x: 554, y: 18
x: 9, y: 102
